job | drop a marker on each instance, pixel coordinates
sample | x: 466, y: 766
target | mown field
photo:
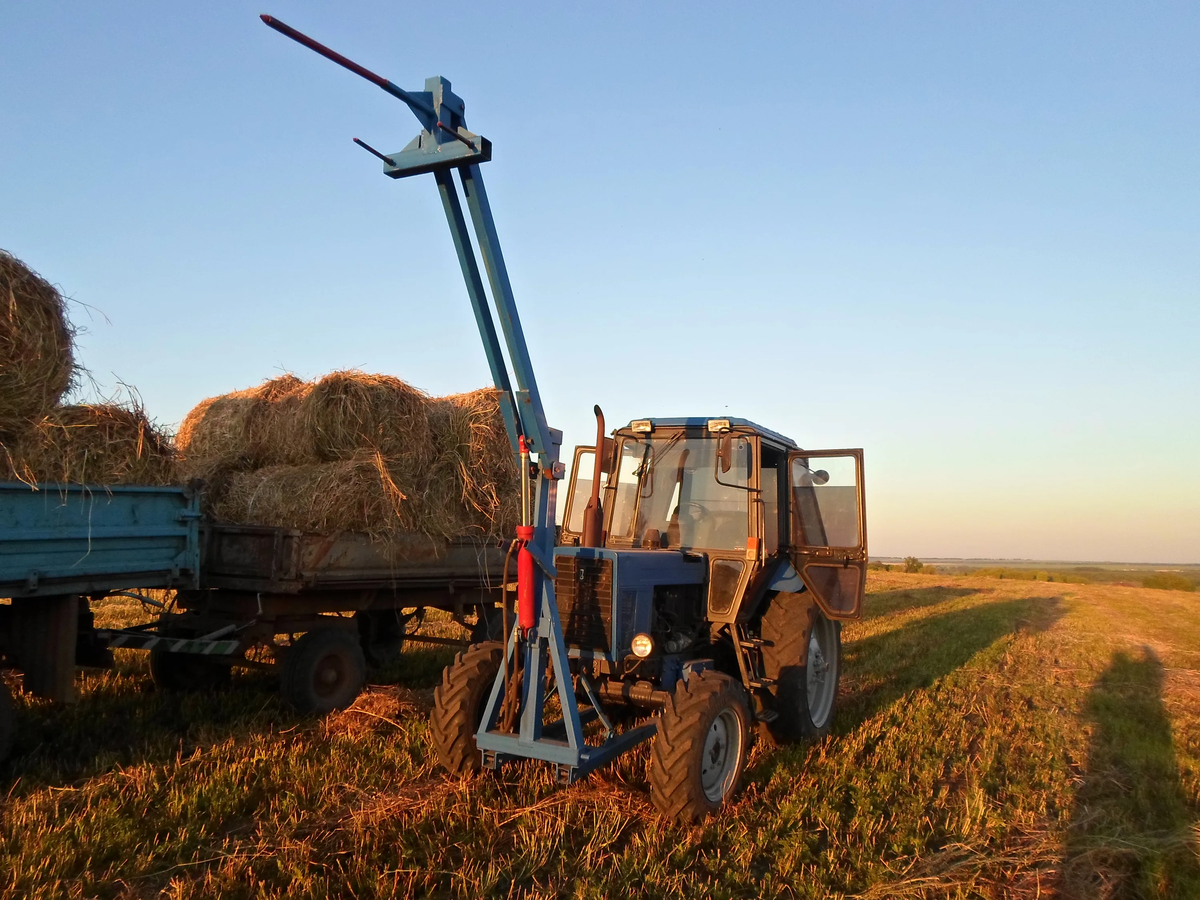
x: 996, y: 739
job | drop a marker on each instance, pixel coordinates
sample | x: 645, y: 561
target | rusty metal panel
x: 283, y: 561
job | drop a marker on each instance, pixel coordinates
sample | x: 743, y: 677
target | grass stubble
x: 995, y: 739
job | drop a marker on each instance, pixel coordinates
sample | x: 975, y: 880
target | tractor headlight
x: 642, y: 645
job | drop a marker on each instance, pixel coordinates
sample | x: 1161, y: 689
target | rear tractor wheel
x: 323, y: 671
x: 458, y: 705
x: 700, y: 751
x: 802, y: 653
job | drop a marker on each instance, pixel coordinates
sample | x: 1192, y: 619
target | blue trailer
x: 61, y: 545
x: 316, y: 608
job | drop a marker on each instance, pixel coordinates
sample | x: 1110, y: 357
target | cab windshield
x: 671, y: 491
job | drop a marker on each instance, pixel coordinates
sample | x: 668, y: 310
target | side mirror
x: 820, y: 477
x: 608, y: 458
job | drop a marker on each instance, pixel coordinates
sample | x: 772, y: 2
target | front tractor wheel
x: 802, y: 654
x: 701, y: 748
x: 458, y: 705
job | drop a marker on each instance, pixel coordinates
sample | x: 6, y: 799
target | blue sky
x: 962, y: 236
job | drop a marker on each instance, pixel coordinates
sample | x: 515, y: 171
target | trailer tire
x: 802, y: 654
x: 489, y: 626
x: 7, y: 724
x: 381, y: 633
x: 181, y: 672
x: 323, y: 671
x: 458, y: 704
x: 701, y: 748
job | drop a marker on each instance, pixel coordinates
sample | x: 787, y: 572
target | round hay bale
x: 93, y: 444
x: 349, y: 412
x: 260, y: 426
x: 474, y: 481
x: 37, y: 366
x: 358, y: 494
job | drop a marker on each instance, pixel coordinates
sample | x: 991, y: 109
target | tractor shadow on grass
x: 884, y: 603
x: 1133, y: 831
x: 879, y: 670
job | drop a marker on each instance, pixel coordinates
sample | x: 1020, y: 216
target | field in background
x: 996, y: 738
x: 1182, y: 577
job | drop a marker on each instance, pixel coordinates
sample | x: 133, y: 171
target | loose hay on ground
x: 37, y: 366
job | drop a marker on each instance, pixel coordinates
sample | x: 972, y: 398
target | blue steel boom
x: 443, y: 147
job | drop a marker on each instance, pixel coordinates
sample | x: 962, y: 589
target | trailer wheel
x: 802, y: 653
x: 489, y: 625
x: 7, y: 725
x: 323, y: 671
x: 179, y: 672
x: 701, y: 747
x: 458, y: 704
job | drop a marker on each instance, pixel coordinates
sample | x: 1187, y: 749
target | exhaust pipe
x: 593, y: 513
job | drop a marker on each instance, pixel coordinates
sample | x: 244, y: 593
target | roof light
x: 716, y: 426
x: 642, y: 426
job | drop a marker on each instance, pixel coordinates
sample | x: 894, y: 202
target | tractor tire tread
x: 456, y: 700
x: 785, y: 628
x: 674, y: 784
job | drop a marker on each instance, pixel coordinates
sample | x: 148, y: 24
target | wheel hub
x: 820, y: 685
x: 328, y: 675
x: 719, y: 759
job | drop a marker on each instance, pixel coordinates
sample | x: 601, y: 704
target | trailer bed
x: 278, y: 561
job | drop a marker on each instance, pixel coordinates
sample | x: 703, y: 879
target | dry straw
x: 475, y: 472
x: 356, y: 452
x: 245, y: 429
x: 92, y: 444
x: 348, y: 411
x: 36, y: 363
x: 356, y: 494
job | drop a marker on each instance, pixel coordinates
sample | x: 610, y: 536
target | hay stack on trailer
x: 354, y: 452
x: 41, y: 440
x: 93, y: 444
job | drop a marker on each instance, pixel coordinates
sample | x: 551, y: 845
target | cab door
x: 828, y: 527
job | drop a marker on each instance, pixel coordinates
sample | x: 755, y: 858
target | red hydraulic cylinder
x: 526, y: 580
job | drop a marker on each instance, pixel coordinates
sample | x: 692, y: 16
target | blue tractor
x: 696, y: 589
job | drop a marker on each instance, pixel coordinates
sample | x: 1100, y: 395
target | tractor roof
x: 702, y: 422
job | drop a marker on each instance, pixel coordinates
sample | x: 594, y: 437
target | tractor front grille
x: 584, y: 590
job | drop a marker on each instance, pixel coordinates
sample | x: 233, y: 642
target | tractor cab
x: 740, y: 510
